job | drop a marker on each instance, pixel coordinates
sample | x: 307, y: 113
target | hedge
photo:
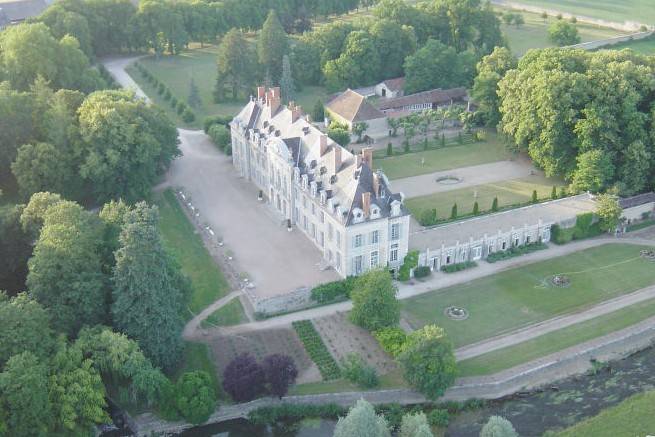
x: 422, y: 271
x: 585, y: 227
x: 516, y: 251
x: 333, y: 291
x: 215, y: 119
x: 452, y: 268
x: 316, y: 349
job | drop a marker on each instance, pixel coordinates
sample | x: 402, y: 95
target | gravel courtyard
x: 276, y: 261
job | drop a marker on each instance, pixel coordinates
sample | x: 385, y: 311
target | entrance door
x: 436, y: 264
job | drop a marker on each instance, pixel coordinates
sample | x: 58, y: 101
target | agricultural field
x: 200, y: 64
x: 510, y: 192
x: 611, y: 10
x: 525, y: 295
x: 508, y: 357
x: 186, y: 246
x: 446, y: 158
x: 534, y: 33
x: 632, y: 417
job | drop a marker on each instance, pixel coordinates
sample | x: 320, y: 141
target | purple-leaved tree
x: 243, y: 378
x: 281, y: 372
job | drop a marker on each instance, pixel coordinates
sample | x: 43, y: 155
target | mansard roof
x: 345, y: 183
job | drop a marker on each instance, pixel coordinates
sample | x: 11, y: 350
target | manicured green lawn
x: 644, y: 46
x: 612, y: 10
x: 200, y: 64
x: 228, y: 315
x: 180, y: 239
x: 522, y: 296
x: 534, y: 33
x: 508, y: 192
x: 411, y: 164
x: 555, y: 341
x: 632, y: 417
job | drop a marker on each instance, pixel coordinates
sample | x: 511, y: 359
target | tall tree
x: 562, y: 33
x: 358, y: 64
x: 244, y: 378
x: 125, y: 145
x: 287, y: 86
x: 25, y: 328
x: 491, y: 70
x: 149, y: 292
x: 24, y: 391
x: 281, y: 372
x: 608, y: 211
x: 272, y: 45
x: 40, y: 167
x: 374, y: 301
x: 236, y: 65
x: 65, y: 273
x: 393, y: 43
x: 15, y: 249
x: 195, y: 398
x: 16, y: 128
x: 594, y: 171
x: 428, y: 361
x: 362, y: 421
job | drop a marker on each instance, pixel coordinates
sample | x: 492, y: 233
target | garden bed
x: 516, y: 251
x: 316, y: 349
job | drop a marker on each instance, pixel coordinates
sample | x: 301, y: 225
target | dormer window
x: 395, y: 208
x: 375, y: 212
x: 358, y: 215
x: 333, y: 179
x: 330, y: 205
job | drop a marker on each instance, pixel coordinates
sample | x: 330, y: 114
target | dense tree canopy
x: 491, y: 70
x: 362, y: 421
x: 149, y: 292
x: 563, y: 33
x: 560, y: 107
x: 374, y: 301
x: 235, y: 62
x: 15, y: 249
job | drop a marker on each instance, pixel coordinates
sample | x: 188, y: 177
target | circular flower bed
x: 648, y: 254
x: 456, y: 313
x: 448, y: 180
x: 560, y: 281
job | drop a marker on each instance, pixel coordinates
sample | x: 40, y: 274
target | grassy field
x: 632, y: 417
x: 644, y: 46
x: 187, y: 247
x: 200, y: 64
x: 555, y: 341
x: 411, y: 164
x: 523, y: 296
x: 228, y: 315
x: 534, y: 33
x: 508, y: 192
x: 612, y: 10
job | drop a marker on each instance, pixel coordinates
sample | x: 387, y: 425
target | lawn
x: 522, y: 296
x: 555, y: 341
x: 632, y: 417
x: 413, y: 164
x: 509, y: 192
x: 612, y: 10
x: 644, y: 46
x: 187, y: 248
x: 534, y: 33
x: 200, y: 64
x: 390, y: 380
x: 197, y: 357
x: 228, y: 315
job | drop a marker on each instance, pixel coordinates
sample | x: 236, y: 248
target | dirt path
x: 426, y: 184
x: 190, y: 331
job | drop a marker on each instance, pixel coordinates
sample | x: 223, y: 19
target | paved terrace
x: 555, y: 211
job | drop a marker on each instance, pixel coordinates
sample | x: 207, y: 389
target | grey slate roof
x: 639, y: 199
x: 302, y: 140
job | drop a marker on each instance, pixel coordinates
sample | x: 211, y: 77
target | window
x: 393, y: 254
x: 374, y: 259
x: 322, y: 215
x: 357, y: 240
x: 338, y: 261
x: 375, y: 237
x: 338, y: 239
x: 477, y: 252
x: 313, y: 231
x: 395, y: 231
x: 304, y: 222
x: 321, y: 239
x: 304, y: 202
x: 527, y: 239
x: 504, y: 246
x: 357, y: 264
x: 313, y: 209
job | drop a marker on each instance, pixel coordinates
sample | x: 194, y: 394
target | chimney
x: 337, y: 158
x: 273, y: 99
x: 366, y: 203
x: 261, y: 92
x: 376, y: 185
x: 367, y: 156
x: 323, y: 144
x: 296, y: 112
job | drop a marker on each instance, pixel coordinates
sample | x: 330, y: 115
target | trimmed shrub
x: 220, y: 135
x: 535, y: 198
x: 452, y: 268
x: 333, y: 291
x: 516, y: 251
x: 391, y: 339
x: 215, y: 119
x: 195, y: 398
x: 439, y: 417
x: 553, y: 193
x: 355, y: 370
x: 453, y: 212
x: 494, y: 205
x: 428, y: 217
x: 188, y: 116
x: 422, y: 271
x: 476, y: 208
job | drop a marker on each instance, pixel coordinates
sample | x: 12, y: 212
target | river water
x: 555, y: 407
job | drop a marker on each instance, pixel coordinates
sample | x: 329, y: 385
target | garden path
x: 192, y: 326
x: 426, y: 184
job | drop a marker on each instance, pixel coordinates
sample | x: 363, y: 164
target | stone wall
x: 296, y: 300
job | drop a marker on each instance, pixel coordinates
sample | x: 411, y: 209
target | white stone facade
x: 330, y: 195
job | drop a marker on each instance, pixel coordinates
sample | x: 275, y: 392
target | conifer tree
x: 287, y: 85
x: 453, y: 212
x: 194, y: 95
x: 272, y: 45
x: 494, y: 205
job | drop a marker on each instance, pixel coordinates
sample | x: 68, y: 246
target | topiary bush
x: 410, y: 261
